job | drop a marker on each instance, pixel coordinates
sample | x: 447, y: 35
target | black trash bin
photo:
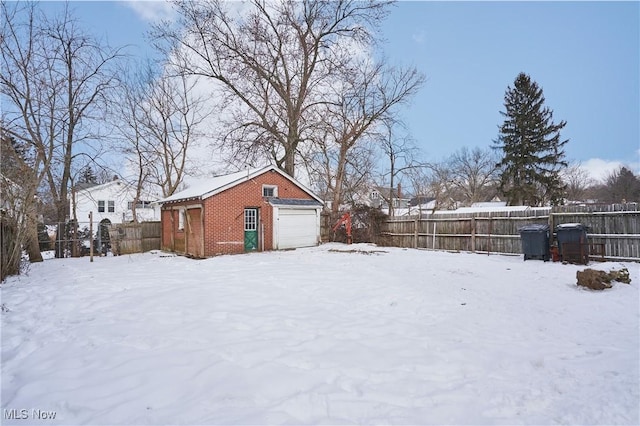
x: 535, y: 241
x: 572, y: 243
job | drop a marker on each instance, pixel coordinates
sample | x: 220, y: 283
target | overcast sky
x: 584, y: 55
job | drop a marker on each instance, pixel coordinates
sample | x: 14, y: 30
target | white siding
x: 117, y: 191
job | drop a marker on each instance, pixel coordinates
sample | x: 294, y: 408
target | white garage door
x: 297, y: 228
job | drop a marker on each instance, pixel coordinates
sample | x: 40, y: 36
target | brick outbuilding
x: 252, y: 210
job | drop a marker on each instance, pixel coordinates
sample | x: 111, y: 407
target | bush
x: 366, y: 225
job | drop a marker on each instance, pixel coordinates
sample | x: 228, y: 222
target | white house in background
x: 112, y: 201
x: 380, y: 197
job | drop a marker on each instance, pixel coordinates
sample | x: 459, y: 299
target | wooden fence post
x: 415, y: 233
x: 433, y: 242
x: 489, y: 239
x: 473, y: 234
x: 551, y: 227
x: 90, y: 236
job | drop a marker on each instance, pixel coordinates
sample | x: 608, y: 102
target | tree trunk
x: 60, y: 233
x: 290, y: 161
x: 340, y: 172
x: 32, y: 244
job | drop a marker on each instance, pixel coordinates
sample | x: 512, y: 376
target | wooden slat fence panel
x: 616, y: 226
x: 128, y: 238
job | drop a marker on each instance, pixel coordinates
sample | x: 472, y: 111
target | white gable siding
x: 118, y: 192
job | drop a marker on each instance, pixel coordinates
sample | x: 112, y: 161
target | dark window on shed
x: 269, y: 191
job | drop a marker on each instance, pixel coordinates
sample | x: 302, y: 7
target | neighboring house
x: 112, y: 202
x: 252, y: 210
x: 381, y: 196
x: 418, y: 206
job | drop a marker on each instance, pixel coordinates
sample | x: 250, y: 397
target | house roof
x: 421, y: 199
x: 205, y: 188
x: 84, y: 185
x: 384, y: 191
x: 274, y: 201
x: 93, y: 187
x: 147, y: 196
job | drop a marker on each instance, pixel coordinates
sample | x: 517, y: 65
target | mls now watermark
x: 28, y: 414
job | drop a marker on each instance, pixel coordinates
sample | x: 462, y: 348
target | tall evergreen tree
x: 531, y: 146
x: 87, y: 175
x: 621, y: 186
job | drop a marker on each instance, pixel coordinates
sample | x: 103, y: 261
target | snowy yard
x: 315, y: 336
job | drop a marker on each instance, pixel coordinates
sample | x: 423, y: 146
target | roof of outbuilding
x: 204, y: 188
x: 274, y: 201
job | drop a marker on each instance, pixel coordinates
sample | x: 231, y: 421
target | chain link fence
x: 74, y: 239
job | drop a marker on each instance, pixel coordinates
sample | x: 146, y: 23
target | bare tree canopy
x: 360, y: 109
x: 273, y: 62
x: 159, y: 122
x: 577, y: 182
x: 53, y: 86
x: 401, y: 157
x: 474, y: 174
x: 17, y: 204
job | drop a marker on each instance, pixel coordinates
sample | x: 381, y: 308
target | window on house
x: 139, y: 205
x: 269, y: 191
x: 101, y: 206
x: 181, y: 213
x: 112, y: 206
x: 374, y: 195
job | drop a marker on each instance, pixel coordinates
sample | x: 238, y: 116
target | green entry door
x: 250, y: 229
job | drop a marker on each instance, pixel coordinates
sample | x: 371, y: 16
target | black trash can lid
x: 536, y: 227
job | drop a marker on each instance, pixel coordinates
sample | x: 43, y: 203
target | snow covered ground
x: 318, y: 336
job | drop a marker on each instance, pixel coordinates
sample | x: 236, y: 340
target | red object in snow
x: 345, y: 220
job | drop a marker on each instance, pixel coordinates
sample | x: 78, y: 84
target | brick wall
x: 224, y: 217
x: 224, y: 213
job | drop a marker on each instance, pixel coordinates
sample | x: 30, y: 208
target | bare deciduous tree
x: 440, y: 184
x: 401, y: 154
x: 420, y: 180
x: 577, y: 182
x: 53, y: 86
x: 17, y: 204
x: 273, y: 62
x: 130, y: 128
x: 172, y: 114
x: 159, y: 124
x: 366, y: 98
x: 474, y: 173
x: 357, y: 173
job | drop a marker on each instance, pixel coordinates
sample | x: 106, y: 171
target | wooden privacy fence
x: 127, y: 238
x: 615, y: 227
